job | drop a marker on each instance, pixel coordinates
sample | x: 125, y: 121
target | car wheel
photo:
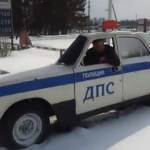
x: 24, y: 126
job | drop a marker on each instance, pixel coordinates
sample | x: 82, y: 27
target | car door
x: 135, y: 66
x: 97, y: 86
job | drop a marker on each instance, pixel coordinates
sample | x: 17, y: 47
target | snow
x: 28, y: 59
x: 128, y: 132
x: 35, y: 58
x: 59, y: 42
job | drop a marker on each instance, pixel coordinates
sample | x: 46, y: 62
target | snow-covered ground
x: 128, y: 132
x: 33, y: 57
x: 28, y: 59
x: 58, y: 42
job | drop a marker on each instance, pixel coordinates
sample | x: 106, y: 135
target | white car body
x: 76, y: 92
x: 17, y: 87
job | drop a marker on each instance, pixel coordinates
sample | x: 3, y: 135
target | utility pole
x: 89, y: 7
x: 110, y: 3
x: 136, y: 23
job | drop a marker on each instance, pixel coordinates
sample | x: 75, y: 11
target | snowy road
x: 130, y: 132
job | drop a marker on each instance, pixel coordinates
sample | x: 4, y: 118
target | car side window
x: 131, y: 47
x: 89, y: 59
x: 143, y: 49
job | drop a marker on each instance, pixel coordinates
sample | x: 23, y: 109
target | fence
x: 50, y: 49
x: 5, y: 46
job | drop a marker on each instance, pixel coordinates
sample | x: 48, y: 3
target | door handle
x: 116, y: 69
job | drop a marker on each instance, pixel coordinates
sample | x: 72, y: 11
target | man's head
x: 98, y: 45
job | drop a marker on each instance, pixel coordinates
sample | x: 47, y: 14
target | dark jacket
x: 92, y: 56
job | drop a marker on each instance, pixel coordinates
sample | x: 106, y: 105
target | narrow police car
x: 71, y: 91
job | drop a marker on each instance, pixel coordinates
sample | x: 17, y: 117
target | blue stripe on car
x: 38, y: 84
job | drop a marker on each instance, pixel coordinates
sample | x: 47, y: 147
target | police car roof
x: 142, y: 35
x: 101, y: 34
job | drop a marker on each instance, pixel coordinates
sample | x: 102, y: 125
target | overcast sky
x: 125, y: 9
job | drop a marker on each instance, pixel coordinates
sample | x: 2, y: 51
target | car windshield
x: 73, y: 52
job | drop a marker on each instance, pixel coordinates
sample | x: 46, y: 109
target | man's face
x: 99, y: 46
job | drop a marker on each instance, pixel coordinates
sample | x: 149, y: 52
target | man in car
x: 101, y: 53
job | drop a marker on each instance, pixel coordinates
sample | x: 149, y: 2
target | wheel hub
x: 27, y: 129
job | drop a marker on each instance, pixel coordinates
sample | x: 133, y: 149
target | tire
x: 24, y: 126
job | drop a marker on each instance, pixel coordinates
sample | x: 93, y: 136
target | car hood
x: 43, y: 72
